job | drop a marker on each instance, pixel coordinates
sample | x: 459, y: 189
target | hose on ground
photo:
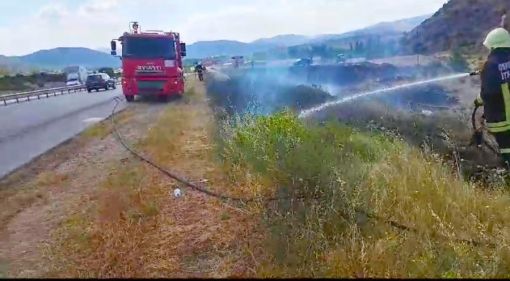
x: 168, y: 173
x: 203, y: 190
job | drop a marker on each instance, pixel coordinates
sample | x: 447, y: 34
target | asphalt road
x: 29, y: 129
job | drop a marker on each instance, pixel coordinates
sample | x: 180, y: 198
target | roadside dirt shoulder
x: 37, y: 198
x: 101, y: 213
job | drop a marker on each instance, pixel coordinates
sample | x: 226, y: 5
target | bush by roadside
x: 349, y: 178
x: 20, y: 82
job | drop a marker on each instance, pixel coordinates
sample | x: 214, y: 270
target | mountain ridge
x: 459, y: 24
x: 202, y: 49
x: 58, y: 58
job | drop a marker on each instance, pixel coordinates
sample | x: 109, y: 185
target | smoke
x: 424, y: 113
x: 264, y: 90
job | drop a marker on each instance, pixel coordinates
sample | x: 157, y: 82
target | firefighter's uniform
x: 495, y: 90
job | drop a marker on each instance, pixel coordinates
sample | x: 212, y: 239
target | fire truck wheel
x: 130, y: 98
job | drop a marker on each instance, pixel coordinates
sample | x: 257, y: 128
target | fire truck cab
x: 151, y: 63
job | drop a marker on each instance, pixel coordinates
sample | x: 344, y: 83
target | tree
x: 457, y: 62
x: 260, y: 56
x: 419, y: 48
x: 107, y: 70
x: 359, y: 46
x: 3, y: 72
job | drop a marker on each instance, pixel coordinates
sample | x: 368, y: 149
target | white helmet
x: 497, y: 38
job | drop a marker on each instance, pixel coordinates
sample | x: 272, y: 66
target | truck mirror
x: 183, y: 49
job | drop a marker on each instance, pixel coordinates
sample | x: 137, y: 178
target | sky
x: 30, y: 25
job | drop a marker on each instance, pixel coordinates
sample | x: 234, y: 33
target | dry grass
x: 134, y: 227
x: 104, y: 128
x: 331, y: 237
x: 19, y: 191
x: 16, y: 199
x: 109, y: 237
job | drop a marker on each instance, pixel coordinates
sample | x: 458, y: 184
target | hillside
x: 224, y: 47
x: 56, y: 59
x: 62, y: 57
x: 273, y: 45
x: 284, y: 40
x: 458, y: 24
x: 13, y: 65
x: 384, y: 28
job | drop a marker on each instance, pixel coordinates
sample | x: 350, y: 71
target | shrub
x: 324, y: 164
x: 353, y: 184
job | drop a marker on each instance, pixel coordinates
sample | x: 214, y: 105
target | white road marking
x: 93, y: 120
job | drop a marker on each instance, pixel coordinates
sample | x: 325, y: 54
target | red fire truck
x: 151, y: 63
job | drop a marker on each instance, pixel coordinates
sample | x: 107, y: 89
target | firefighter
x: 495, y: 90
x: 199, y: 69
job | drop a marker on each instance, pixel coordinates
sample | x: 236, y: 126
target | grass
x: 446, y: 133
x: 104, y: 128
x: 26, y: 82
x: 346, y: 171
x: 16, y: 199
x: 110, y: 237
x: 19, y: 193
x: 133, y: 227
x: 353, y: 181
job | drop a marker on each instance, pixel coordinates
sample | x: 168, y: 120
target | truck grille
x: 151, y: 85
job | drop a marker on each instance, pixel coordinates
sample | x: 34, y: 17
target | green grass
x: 348, y: 174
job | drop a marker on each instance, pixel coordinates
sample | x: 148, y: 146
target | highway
x: 29, y: 129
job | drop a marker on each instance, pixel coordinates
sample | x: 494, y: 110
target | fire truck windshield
x: 148, y: 48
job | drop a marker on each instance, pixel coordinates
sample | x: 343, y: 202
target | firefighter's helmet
x: 497, y: 38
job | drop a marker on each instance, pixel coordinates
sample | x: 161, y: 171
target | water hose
x: 478, y: 136
x: 478, y: 133
x: 207, y: 192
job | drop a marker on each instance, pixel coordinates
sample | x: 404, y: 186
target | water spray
x: 308, y: 112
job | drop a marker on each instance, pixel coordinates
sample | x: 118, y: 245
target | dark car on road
x: 98, y: 81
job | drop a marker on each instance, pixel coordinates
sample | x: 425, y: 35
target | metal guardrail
x: 37, y: 94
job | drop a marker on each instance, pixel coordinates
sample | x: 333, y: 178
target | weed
x: 225, y: 216
x: 342, y: 171
x: 50, y: 179
x: 104, y: 128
